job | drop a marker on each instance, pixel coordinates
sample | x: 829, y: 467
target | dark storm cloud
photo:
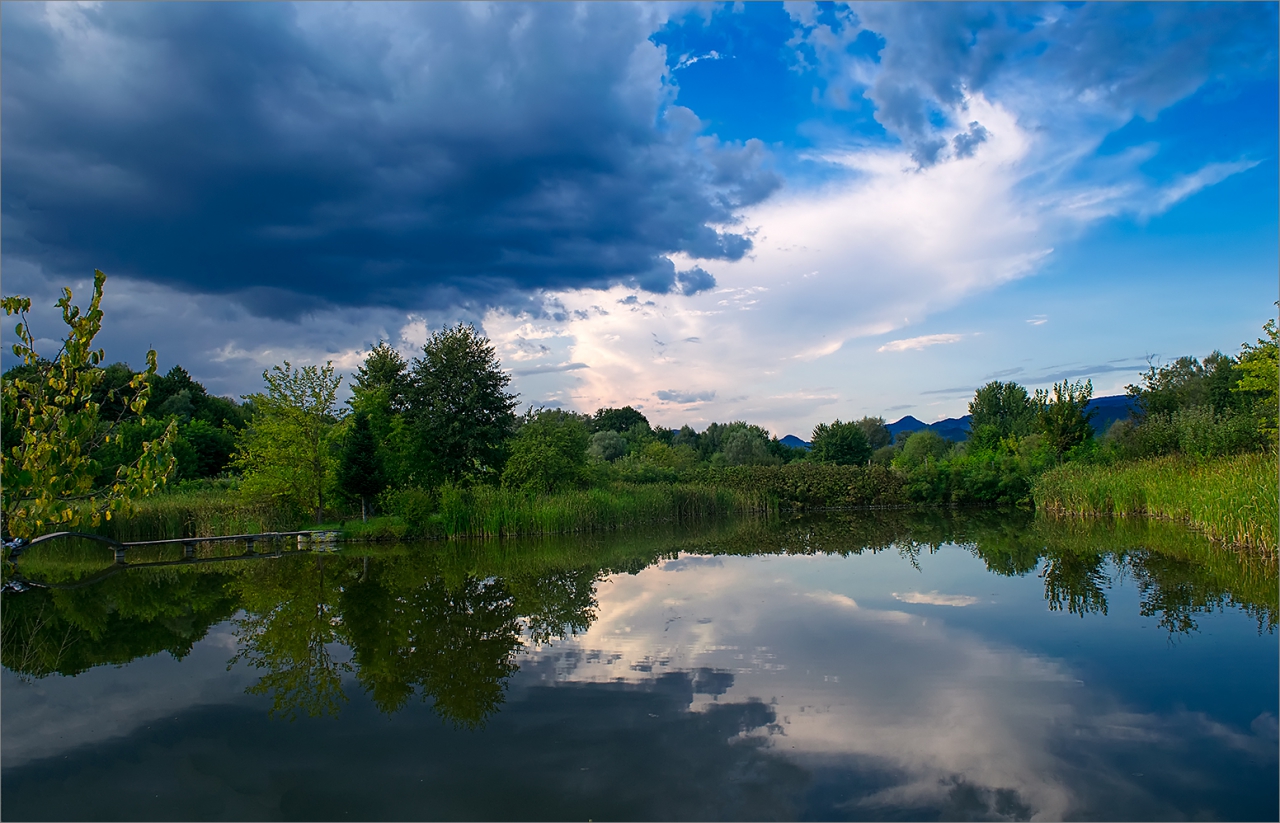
x: 297, y: 157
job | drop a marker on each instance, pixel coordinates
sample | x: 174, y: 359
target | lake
x: 891, y: 665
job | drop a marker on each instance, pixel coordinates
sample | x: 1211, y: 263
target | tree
x: 359, y: 467
x: 617, y: 420
x: 548, y: 453
x: 999, y: 411
x: 747, y: 446
x: 922, y: 446
x: 607, y: 445
x: 284, y: 453
x: 1064, y: 421
x: 458, y: 404
x: 1260, y: 375
x: 384, y: 372
x: 54, y: 428
x: 841, y: 443
x: 878, y: 435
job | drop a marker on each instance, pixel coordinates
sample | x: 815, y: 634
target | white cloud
x: 935, y: 599
x: 917, y: 343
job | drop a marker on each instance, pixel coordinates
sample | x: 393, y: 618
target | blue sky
x: 783, y: 213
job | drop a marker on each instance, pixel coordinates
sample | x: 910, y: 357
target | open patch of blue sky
x: 744, y: 70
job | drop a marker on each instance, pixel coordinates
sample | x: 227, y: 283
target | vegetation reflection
x: 447, y: 623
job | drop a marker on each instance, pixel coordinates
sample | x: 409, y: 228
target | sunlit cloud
x: 917, y: 343
x: 935, y: 599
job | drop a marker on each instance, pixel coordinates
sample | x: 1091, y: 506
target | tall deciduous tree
x: 458, y: 404
x: 1064, y: 419
x: 878, y: 434
x: 841, y: 443
x: 1260, y: 368
x: 54, y: 426
x: 285, y: 453
x: 1000, y: 410
x: 548, y: 453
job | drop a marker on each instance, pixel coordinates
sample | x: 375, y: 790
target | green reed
x: 1230, y: 499
x: 199, y: 513
x: 491, y: 512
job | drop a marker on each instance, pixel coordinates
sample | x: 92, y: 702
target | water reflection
x: 899, y: 665
x: 448, y: 623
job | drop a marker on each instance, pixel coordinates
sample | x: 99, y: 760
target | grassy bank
x: 1230, y: 499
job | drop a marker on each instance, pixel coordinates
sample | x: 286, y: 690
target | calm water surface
x: 895, y: 666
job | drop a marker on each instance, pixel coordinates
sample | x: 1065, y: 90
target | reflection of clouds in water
x: 963, y: 723
x: 935, y: 599
x: 51, y: 715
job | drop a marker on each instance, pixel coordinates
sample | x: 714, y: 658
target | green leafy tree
x: 285, y: 453
x: 747, y: 446
x: 359, y: 467
x: 922, y: 447
x: 458, y: 404
x: 1259, y: 366
x: 877, y: 432
x: 617, y: 420
x: 54, y: 428
x: 548, y: 453
x: 1064, y: 420
x: 607, y: 445
x: 844, y: 444
x: 379, y: 391
x: 1000, y: 411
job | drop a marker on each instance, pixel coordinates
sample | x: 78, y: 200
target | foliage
x: 1259, y: 369
x: 607, y: 445
x: 1198, y: 431
x: 812, y: 485
x: 55, y: 429
x: 1001, y: 410
x: 921, y: 447
x: 1232, y: 499
x: 617, y: 420
x: 843, y: 444
x: 359, y: 465
x: 458, y: 406
x: 284, y: 454
x: 1187, y: 383
x: 747, y: 446
x: 878, y: 435
x: 548, y: 452
x: 1064, y: 420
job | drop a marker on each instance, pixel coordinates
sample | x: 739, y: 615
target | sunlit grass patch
x: 1231, y: 499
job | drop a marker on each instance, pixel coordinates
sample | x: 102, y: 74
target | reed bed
x: 201, y: 513
x: 1231, y: 500
x: 489, y: 512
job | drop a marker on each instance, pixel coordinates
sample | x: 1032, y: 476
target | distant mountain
x: 1108, y: 410
x: 906, y: 425
x: 794, y: 442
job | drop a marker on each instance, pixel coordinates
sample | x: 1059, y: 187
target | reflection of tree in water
x: 287, y: 630
x: 67, y: 631
x: 1076, y: 581
x: 455, y: 643
x: 411, y: 629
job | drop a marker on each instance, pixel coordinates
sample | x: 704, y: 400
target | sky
x: 779, y: 213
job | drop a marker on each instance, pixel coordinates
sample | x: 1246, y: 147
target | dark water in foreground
x: 880, y: 667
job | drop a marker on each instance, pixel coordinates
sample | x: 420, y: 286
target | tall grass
x: 1230, y: 499
x: 490, y: 512
x: 200, y: 513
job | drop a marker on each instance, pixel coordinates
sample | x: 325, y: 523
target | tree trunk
x: 364, y: 508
